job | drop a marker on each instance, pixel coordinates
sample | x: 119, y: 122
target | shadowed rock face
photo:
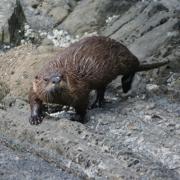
x: 11, y: 21
x: 6, y: 12
x: 135, y: 135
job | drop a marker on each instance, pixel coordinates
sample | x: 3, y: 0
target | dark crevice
x: 116, y: 30
x: 157, y: 9
x: 34, y: 6
x: 161, y: 22
x: 16, y: 24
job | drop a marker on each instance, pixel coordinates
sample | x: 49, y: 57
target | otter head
x: 49, y: 85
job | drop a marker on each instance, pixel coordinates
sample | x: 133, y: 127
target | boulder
x: 89, y: 15
x: 11, y: 21
x: 44, y: 15
x: 59, y: 14
x: 146, y: 26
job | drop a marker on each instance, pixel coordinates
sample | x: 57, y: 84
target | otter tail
x: 146, y: 67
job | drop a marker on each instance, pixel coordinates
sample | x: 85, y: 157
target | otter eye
x: 62, y: 77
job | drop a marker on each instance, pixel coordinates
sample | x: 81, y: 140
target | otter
x: 89, y: 64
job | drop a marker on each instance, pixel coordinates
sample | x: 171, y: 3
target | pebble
x: 152, y: 87
x: 147, y: 117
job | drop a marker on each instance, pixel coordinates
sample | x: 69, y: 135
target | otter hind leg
x: 80, y: 109
x: 100, y: 100
x: 127, y: 82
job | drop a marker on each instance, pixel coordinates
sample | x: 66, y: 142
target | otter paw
x: 99, y: 104
x: 35, y: 120
x: 93, y: 106
x: 78, y: 118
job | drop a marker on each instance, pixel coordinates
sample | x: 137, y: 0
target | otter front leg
x: 80, y: 109
x: 79, y: 116
x: 36, y: 108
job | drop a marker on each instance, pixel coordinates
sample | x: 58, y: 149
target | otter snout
x: 53, y: 84
x: 55, y: 79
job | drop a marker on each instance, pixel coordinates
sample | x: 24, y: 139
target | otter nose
x: 55, y: 79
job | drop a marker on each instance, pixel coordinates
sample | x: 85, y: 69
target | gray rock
x: 5, y: 15
x: 89, y: 15
x: 47, y: 42
x: 146, y: 45
x: 19, y: 166
x: 4, y: 90
x: 35, y: 18
x: 58, y: 14
x: 135, y: 135
x: 145, y: 27
x: 44, y: 15
x: 11, y: 21
x: 132, y: 139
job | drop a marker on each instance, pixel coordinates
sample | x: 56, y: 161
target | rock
x: 44, y: 15
x: 147, y: 44
x: 34, y: 3
x: 37, y: 19
x: 44, y: 22
x: 58, y: 14
x: 47, y: 42
x: 61, y: 38
x: 155, y: 90
x: 135, y: 142
x: 45, y: 48
x: 152, y: 87
x: 89, y: 15
x: 9, y: 101
x: 131, y: 137
x: 16, y: 163
x: 145, y: 27
x: 4, y: 90
x: 6, y: 12
x: 11, y: 21
x: 177, y: 83
x: 31, y: 36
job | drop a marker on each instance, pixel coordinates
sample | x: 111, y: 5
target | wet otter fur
x: 91, y: 63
